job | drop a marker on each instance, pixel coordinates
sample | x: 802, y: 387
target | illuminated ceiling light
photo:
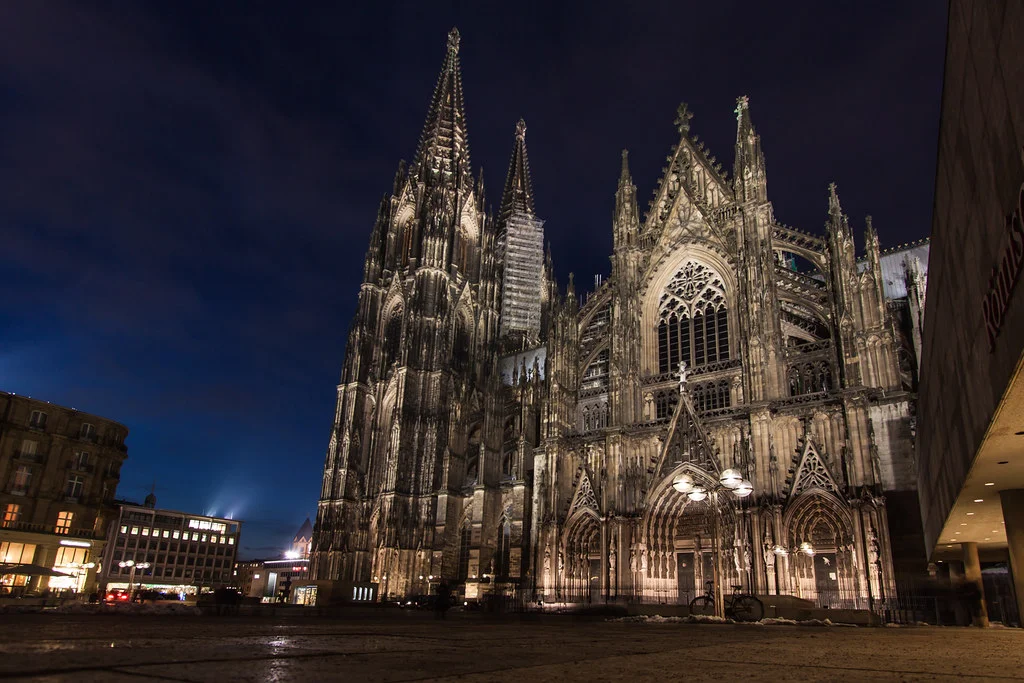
x: 963, y: 523
x: 949, y: 546
x: 969, y: 514
x: 987, y: 538
x: 979, y: 500
x: 990, y: 483
x: 957, y: 533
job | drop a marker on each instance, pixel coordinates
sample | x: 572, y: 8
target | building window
x: 17, y: 553
x: 124, y: 529
x: 87, y: 431
x: 75, y: 486
x: 12, y: 514
x: 501, y: 560
x: 145, y: 531
x: 135, y: 531
x: 64, y: 519
x: 37, y: 419
x: 28, y: 449
x: 231, y: 541
x: 176, y: 534
x: 81, y: 460
x: 167, y: 533
x: 22, y: 478
x: 694, y: 322
x: 465, y: 539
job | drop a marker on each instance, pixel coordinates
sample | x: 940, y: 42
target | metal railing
x: 50, y: 529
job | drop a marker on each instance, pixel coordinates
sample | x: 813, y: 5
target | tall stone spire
x: 749, y: 166
x: 627, y: 215
x: 518, y: 194
x: 443, y: 149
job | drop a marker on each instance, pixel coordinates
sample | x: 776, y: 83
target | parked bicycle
x: 738, y: 606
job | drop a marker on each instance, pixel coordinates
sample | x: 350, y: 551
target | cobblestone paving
x: 412, y: 646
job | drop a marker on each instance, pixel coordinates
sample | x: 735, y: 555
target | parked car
x: 117, y: 595
x: 156, y: 597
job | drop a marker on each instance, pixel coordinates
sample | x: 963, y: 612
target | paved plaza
x: 412, y: 646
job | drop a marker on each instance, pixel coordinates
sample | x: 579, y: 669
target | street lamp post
x: 730, y: 480
x: 132, y: 565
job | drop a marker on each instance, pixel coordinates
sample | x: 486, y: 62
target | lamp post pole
x: 132, y: 566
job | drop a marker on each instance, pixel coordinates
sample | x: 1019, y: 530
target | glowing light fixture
x: 743, y: 489
x: 697, y: 493
x: 683, y: 483
x: 730, y: 478
x: 807, y: 549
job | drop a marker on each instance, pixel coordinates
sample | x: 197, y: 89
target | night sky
x: 187, y: 188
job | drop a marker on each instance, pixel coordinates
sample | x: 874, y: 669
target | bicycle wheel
x: 702, y: 605
x: 747, y: 608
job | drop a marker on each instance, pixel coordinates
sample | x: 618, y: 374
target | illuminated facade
x: 456, y: 455
x: 186, y: 553
x: 59, y: 469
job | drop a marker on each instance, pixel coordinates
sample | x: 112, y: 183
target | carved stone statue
x: 561, y: 562
x: 547, y: 561
x: 643, y: 560
x: 611, y: 562
x: 683, y: 374
x: 633, y: 567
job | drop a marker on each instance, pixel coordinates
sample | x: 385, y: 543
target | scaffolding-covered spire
x: 444, y: 144
x: 518, y: 194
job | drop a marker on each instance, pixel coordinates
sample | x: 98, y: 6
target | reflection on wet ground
x: 403, y: 646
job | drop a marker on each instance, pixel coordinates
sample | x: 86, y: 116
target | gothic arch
x: 820, y: 518
x: 654, y: 302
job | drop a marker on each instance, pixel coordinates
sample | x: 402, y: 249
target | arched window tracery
x: 693, y: 321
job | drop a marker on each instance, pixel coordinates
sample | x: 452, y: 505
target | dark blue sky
x: 187, y: 188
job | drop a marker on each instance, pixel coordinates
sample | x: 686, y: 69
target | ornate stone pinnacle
x: 742, y: 103
x: 453, y: 40
x: 683, y: 116
x: 521, y: 130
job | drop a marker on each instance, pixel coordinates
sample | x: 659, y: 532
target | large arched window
x: 461, y: 343
x: 393, y: 337
x: 693, y: 323
x: 503, y: 553
x: 465, y: 539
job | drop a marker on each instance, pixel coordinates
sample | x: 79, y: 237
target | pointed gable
x: 686, y: 442
x: 812, y: 473
x: 584, y: 496
x: 305, y: 532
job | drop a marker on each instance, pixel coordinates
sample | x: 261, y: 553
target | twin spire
x: 518, y: 194
x: 444, y: 144
x: 443, y: 150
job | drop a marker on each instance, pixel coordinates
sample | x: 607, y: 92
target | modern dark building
x: 971, y: 448
x: 186, y: 553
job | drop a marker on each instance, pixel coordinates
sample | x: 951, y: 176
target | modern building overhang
x: 977, y: 516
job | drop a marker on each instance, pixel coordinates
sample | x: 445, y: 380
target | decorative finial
x: 683, y: 116
x: 521, y: 130
x: 833, y: 198
x: 453, y: 40
x: 742, y: 104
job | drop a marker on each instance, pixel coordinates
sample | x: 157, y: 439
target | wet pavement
x: 412, y: 646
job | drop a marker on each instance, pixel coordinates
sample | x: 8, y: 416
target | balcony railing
x: 706, y: 369
x: 77, y: 467
x: 70, y: 532
x: 28, y: 457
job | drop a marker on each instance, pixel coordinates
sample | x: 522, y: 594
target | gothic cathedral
x: 502, y: 436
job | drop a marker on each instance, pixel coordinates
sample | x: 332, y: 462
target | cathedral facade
x: 503, y: 436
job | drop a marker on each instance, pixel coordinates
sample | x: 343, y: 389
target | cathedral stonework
x: 545, y: 456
